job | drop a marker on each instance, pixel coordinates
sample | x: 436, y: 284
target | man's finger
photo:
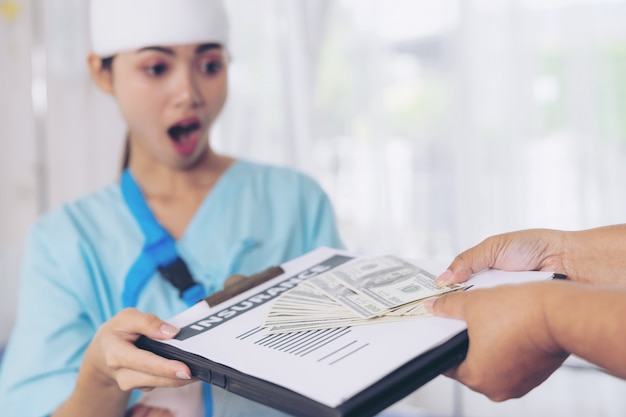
x: 461, y: 269
x: 449, y: 305
x: 472, y: 261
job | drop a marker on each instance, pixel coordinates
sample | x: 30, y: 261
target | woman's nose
x: 188, y: 93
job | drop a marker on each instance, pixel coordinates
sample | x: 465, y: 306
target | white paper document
x: 329, y: 366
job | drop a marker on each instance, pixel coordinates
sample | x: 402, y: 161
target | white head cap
x: 125, y: 25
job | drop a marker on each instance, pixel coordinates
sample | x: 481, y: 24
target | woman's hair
x: 107, y: 65
x: 125, y: 153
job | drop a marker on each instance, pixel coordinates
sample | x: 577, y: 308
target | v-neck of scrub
x: 218, y: 193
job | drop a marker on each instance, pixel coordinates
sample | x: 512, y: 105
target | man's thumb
x: 448, y: 305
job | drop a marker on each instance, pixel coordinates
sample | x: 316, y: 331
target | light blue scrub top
x: 78, y: 255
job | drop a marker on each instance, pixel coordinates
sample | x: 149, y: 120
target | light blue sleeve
x: 52, y: 330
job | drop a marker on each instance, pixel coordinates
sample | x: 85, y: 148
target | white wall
x: 61, y: 137
x: 18, y: 160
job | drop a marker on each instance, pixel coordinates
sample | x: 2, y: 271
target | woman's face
x: 170, y: 97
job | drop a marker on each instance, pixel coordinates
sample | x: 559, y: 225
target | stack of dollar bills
x: 364, y: 291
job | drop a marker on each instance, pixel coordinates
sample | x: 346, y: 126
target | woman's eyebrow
x: 207, y: 46
x: 200, y: 49
x: 158, y: 48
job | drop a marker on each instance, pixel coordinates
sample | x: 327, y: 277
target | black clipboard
x: 368, y: 402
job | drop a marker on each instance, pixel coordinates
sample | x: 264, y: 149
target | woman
x: 180, y: 208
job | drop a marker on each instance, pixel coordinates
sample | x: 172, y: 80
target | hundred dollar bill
x: 414, y: 309
x: 305, y: 303
x: 304, y: 294
x: 280, y: 308
x: 360, y: 303
x: 368, y: 291
x: 388, y: 280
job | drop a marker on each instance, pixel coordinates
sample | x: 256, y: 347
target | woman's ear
x: 103, y: 77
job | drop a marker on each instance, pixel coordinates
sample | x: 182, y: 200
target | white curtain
x: 452, y: 120
x: 275, y: 47
x: 435, y: 123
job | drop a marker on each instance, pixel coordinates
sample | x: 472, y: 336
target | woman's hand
x: 113, y: 366
x: 113, y: 358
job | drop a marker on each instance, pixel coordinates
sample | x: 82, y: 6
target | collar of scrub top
x: 158, y: 254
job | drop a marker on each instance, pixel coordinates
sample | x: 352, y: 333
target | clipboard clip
x: 237, y: 284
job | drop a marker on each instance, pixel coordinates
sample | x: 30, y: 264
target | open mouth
x: 185, y: 136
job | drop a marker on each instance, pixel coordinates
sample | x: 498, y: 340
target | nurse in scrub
x: 98, y: 272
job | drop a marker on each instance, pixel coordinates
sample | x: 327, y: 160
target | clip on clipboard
x: 237, y: 284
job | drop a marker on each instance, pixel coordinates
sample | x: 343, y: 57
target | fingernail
x: 183, y: 375
x: 444, y: 279
x: 428, y: 304
x: 168, y: 329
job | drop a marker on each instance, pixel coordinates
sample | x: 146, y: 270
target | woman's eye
x: 156, y: 70
x: 211, y: 67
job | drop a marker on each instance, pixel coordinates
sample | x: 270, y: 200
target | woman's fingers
x: 141, y: 410
x: 133, y: 323
x: 113, y: 357
x: 128, y: 356
x: 128, y: 379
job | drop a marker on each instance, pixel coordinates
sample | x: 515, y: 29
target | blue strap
x: 207, y: 396
x: 159, y: 251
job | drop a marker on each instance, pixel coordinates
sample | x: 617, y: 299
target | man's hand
x: 511, y: 350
